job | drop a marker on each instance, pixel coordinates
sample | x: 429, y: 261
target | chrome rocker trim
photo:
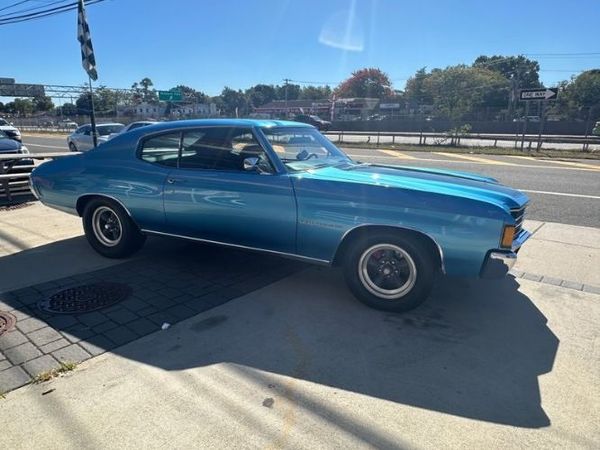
x: 244, y: 247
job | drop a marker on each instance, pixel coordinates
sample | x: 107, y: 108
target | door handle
x: 171, y: 180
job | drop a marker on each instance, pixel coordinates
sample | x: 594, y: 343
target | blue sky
x: 210, y: 44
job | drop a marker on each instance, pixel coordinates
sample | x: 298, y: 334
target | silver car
x: 81, y: 139
x: 133, y: 126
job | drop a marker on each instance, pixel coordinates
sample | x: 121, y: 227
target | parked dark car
x: 315, y: 121
x: 9, y: 145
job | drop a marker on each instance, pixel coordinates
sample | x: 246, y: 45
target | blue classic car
x: 283, y: 188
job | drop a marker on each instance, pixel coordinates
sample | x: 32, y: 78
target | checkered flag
x: 83, y: 36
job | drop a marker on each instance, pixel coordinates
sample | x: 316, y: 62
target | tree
x: 519, y: 68
x: 1, y: 107
x: 416, y: 92
x: 315, y: 92
x: 143, y: 91
x: 369, y: 82
x: 68, y: 109
x: 233, y: 101
x: 190, y: 94
x: 42, y: 103
x: 261, y: 94
x: 458, y: 91
x: 20, y: 106
x: 289, y: 91
x: 580, y: 97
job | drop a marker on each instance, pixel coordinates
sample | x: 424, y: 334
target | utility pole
x: 286, y: 81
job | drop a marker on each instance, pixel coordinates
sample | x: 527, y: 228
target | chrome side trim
x: 96, y: 194
x: 244, y: 247
x: 441, y: 252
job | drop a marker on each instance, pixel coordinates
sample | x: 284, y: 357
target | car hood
x: 438, y: 181
x: 8, y: 128
x: 9, y: 146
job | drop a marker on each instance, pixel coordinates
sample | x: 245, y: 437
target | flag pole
x: 93, y: 115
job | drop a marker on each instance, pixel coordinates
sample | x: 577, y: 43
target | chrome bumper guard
x: 499, y: 262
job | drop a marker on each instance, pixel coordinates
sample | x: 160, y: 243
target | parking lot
x: 267, y: 352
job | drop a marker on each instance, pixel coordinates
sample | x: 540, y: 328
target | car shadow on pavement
x: 475, y: 349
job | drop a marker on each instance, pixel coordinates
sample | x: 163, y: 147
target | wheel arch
x: 84, y: 199
x: 360, y: 231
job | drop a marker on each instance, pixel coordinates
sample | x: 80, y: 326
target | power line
x: 45, y: 5
x: 14, y: 4
x: 45, y: 13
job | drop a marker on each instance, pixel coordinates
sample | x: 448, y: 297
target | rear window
x: 105, y: 130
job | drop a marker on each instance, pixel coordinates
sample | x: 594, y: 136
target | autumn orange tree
x: 369, y: 82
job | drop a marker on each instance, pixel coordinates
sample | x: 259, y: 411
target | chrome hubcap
x: 107, y: 226
x: 387, y: 271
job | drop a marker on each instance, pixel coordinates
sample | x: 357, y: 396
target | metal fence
x: 518, y: 141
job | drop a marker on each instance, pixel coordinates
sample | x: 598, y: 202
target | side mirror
x: 251, y: 164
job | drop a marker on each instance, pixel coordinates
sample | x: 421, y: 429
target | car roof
x: 263, y: 123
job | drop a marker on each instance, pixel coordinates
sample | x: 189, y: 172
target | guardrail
x: 14, y: 177
x: 587, y: 143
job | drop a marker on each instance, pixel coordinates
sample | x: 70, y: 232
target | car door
x: 210, y: 195
x: 83, y: 140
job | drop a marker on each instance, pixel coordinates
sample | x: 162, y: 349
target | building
x: 290, y: 108
x: 195, y: 109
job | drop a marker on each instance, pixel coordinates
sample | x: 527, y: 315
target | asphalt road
x: 566, y: 191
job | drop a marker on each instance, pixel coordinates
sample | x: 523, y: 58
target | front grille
x: 519, y: 216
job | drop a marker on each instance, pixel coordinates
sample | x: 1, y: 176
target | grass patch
x: 48, y: 375
x: 544, y: 153
x: 2, y: 395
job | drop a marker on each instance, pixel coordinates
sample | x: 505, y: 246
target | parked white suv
x: 10, y: 130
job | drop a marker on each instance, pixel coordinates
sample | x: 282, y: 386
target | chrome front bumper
x: 498, y: 262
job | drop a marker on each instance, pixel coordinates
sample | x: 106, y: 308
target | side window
x: 162, y: 149
x: 221, y: 148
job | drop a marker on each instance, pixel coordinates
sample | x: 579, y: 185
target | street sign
x: 21, y: 90
x: 170, y: 96
x: 539, y: 94
x: 7, y: 81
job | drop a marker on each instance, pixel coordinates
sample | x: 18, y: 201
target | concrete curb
x: 556, y: 282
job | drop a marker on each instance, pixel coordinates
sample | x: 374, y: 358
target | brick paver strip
x: 22, y: 353
x: 41, y: 364
x: 52, y: 346
x: 13, y: 378
x: 72, y: 353
x: 44, y: 336
x: 5, y: 364
x: 31, y: 324
x: 11, y: 339
x: 169, y: 288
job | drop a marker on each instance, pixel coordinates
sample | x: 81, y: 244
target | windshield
x: 3, y: 122
x: 105, y: 130
x: 303, y: 148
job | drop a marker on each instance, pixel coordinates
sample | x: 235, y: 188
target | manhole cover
x: 85, y: 298
x: 7, y: 322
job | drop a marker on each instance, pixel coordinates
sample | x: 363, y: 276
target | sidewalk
x: 296, y: 363
x: 301, y: 364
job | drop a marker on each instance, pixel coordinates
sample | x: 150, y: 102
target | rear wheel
x: 390, y: 272
x: 109, y: 230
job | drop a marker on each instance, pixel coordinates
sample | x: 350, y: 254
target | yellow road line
x: 564, y: 163
x: 397, y: 154
x: 476, y: 159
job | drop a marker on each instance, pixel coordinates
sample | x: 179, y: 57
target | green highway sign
x: 170, y: 96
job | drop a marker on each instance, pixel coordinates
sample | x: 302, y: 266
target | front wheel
x: 72, y: 147
x: 390, y: 272
x: 109, y: 230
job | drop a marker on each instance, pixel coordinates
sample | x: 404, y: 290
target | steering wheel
x: 312, y: 155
